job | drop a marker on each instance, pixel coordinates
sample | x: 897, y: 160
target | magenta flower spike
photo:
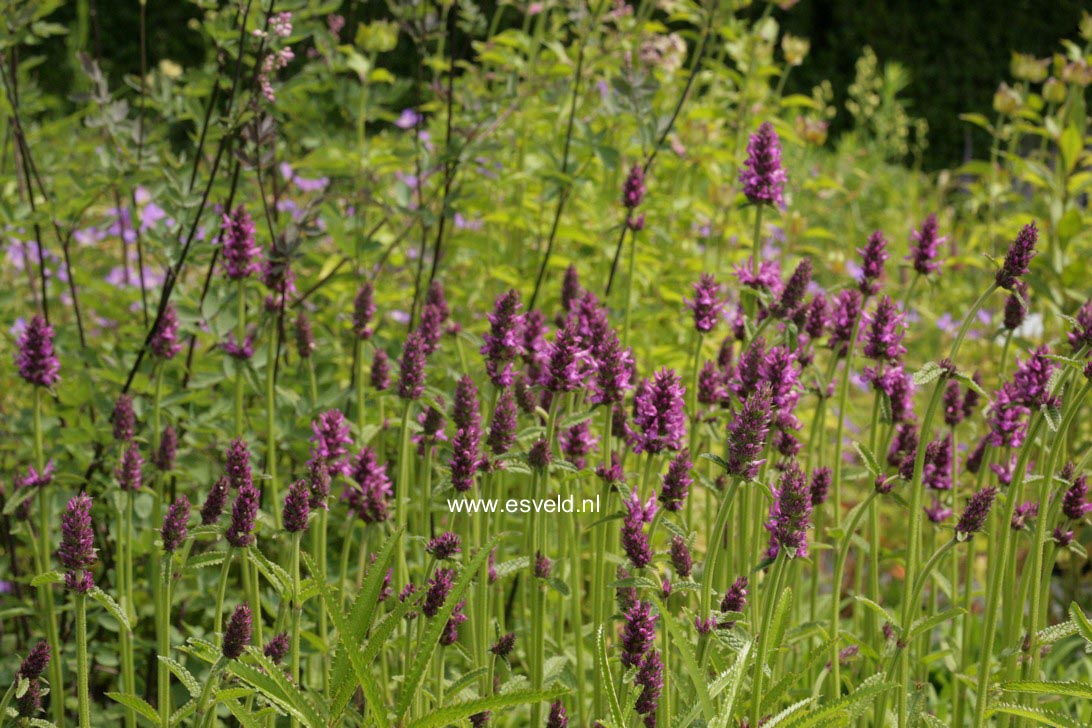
x: 762, y: 175
x: 35, y: 359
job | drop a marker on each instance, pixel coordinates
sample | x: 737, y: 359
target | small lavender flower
x: 240, y: 253
x: 571, y: 289
x: 792, y: 297
x: 128, y: 471
x: 330, y: 441
x: 747, y: 435
x: 237, y: 632
x: 1030, y: 385
x: 924, y: 251
x: 276, y: 649
x: 789, y: 515
x: 450, y: 635
x: 363, y: 310
x: 1074, y: 504
x: 381, y: 371
x: 480, y: 720
x: 534, y: 343
x: 502, y: 428
x: 817, y: 318
x: 465, y: 458
x: 541, y: 566
x: 614, y: 365
x: 439, y: 585
x: 1018, y: 258
x: 633, y: 189
x: 163, y: 459
x: 36, y: 661
x: 883, y: 339
x: 820, y: 486
x: 953, y: 404
x: 650, y: 678
x: 539, y: 456
x: 124, y: 419
x: 297, y: 507
x: 411, y: 380
x: 565, y: 369
x: 847, y: 309
x: 711, y: 384
x: 612, y: 474
x: 215, y: 501
x: 658, y: 412
x: 681, y: 560
x: 244, y: 513
x: 237, y: 464
x: 676, y: 483
x: 1081, y: 335
x: 937, y: 512
x: 240, y: 351
x: 1023, y: 513
x: 761, y: 175
x: 504, y: 342
x: 431, y: 328
x: 37, y: 363
x: 1007, y: 419
x: 444, y: 546
x: 734, y: 600
x: 635, y: 541
x: 557, y: 718
x: 873, y: 256
x: 77, y: 551
x: 504, y: 645
x: 707, y: 305
x: 465, y: 408
x: 778, y: 369
x: 974, y: 517
x: 164, y: 342
x: 577, y: 442
x: 369, y: 497
x: 173, y: 532
x: 305, y: 338
x: 638, y: 633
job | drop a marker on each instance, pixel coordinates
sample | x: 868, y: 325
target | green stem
x: 297, y: 608
x: 240, y: 337
x: 836, y: 587
x: 271, y: 426
x: 164, y: 637
x: 401, y: 496
x: 221, y: 589
x: 56, y: 674
x: 81, y: 663
x: 714, y: 547
x: 629, y: 284
x: 777, y: 571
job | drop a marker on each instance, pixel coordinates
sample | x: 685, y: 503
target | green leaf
x: 788, y: 712
x: 690, y: 661
x: 48, y: 577
x: 930, y: 371
x: 350, y: 648
x: 111, y: 606
x: 137, y: 704
x: 716, y: 459
x: 436, y: 625
x: 733, y: 681
x: 271, y: 681
x: 1083, y: 625
x: 184, y: 712
x: 880, y: 610
x: 245, y: 717
x: 774, y: 693
x: 1039, y: 715
x: 605, y: 677
x: 457, y: 711
x: 1069, y: 146
x: 273, y: 573
x: 831, y: 712
x: 869, y: 459
x: 1071, y: 688
x: 184, y: 676
x: 926, y: 624
x: 779, y: 621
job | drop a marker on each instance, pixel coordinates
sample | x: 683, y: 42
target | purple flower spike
x: 240, y: 253
x: 1023, y: 513
x: 571, y: 289
x: 37, y: 363
x: 465, y: 458
x: 789, y: 515
x: 381, y: 371
x: 634, y: 540
x: 1016, y: 307
x: 77, y: 551
x: 241, y: 351
x: 847, y: 309
x: 937, y: 512
x: 762, y: 176
x: 792, y: 297
x: 565, y: 368
x: 305, y: 337
x: 215, y: 501
x: 708, y: 305
x: 431, y: 328
x: 164, y: 342
x: 1030, y: 385
x: 681, y: 560
x: 237, y: 632
x: 369, y: 497
x: 276, y: 649
x: 450, y: 635
x: 504, y: 342
x: 676, y: 483
x: 1074, y: 504
x: 465, y: 408
x: 650, y: 678
x: 318, y: 486
x: 439, y: 586
x: 502, y: 429
x: 504, y: 645
x: 638, y: 633
x: 633, y: 190
x: 658, y: 410
x: 128, y: 472
x: 237, y: 464
x: 978, y: 510
x: 331, y: 442
x: 873, y: 256
x: 444, y: 546
x: 924, y: 251
x: 614, y: 366
x: 1019, y: 256
x: 244, y: 514
x: 883, y: 340
x: 735, y: 600
x: 163, y: 459
x: 577, y: 442
x: 747, y: 434
x: 820, y: 486
x: 818, y: 317
x: 411, y: 381
x: 36, y: 661
x: 542, y: 565
x: 297, y: 506
x: 557, y: 718
x: 173, y: 532
x: 124, y: 419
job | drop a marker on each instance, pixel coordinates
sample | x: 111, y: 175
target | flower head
x: 215, y: 501
x: 707, y: 305
x: 502, y: 428
x: 37, y: 363
x: 650, y: 678
x: 163, y: 458
x: 1074, y: 504
x: 173, y: 532
x: 638, y: 633
x: 974, y: 517
x: 762, y: 176
x: 820, y: 486
x: 128, y: 471
x: 297, y: 506
x: 681, y: 559
x: 577, y: 442
x: 240, y: 252
x: 381, y: 371
x: 504, y: 645
x: 276, y: 649
x: 557, y: 718
x: 565, y: 368
x: 790, y: 514
x: 439, y: 585
x: 747, y: 434
x: 676, y: 483
x: 634, y: 539
x: 164, y: 342
x: 1081, y: 335
x: 77, y: 551
x: 1019, y: 256
x: 873, y: 256
x: 658, y: 412
x: 369, y: 497
x: 305, y: 337
x: 613, y: 370
x: 792, y: 296
x: 237, y: 632
x: 411, y: 380
x: 244, y: 514
x: 847, y: 309
x: 504, y: 341
x: 237, y: 463
x: 124, y: 419
x: 633, y: 189
x: 330, y: 441
x: 927, y: 242
x: 883, y: 339
x: 465, y: 457
x: 444, y: 546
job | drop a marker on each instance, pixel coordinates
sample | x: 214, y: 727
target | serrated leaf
x: 111, y: 606
x: 136, y: 703
x: 690, y: 661
x: 457, y: 711
x: 48, y: 577
x: 1071, y: 688
x: 865, y: 692
x: 274, y: 574
x: 1039, y: 715
x: 1079, y: 619
x: 716, y: 459
x: 926, y: 624
x: 183, y: 712
x: 930, y: 371
x: 868, y: 458
x: 880, y: 610
x: 733, y: 681
x: 606, y: 679
x: 184, y: 676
